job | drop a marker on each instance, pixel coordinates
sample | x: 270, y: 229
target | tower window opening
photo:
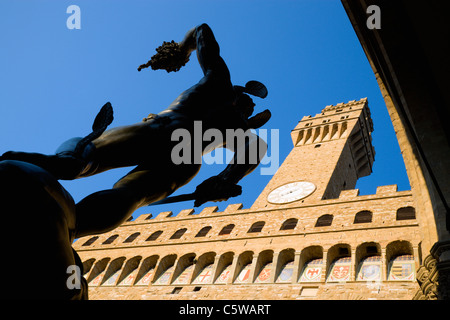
x: 324, y: 220
x: 363, y: 217
x: 256, y: 227
x: 111, y: 239
x: 406, y: 213
x: 226, y: 230
x: 154, y: 236
x: 178, y: 234
x: 132, y: 237
x: 289, y: 224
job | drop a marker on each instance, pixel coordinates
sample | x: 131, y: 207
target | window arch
x: 289, y: 224
x: 203, y: 232
x: 90, y: 241
x: 111, y: 239
x: 406, y: 213
x: 178, y: 234
x: 324, y: 220
x: 154, y: 236
x: 132, y: 237
x: 256, y: 227
x: 227, y: 229
x: 363, y: 217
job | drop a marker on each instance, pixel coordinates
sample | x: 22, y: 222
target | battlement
x: 388, y: 191
x: 352, y: 104
x: 336, y: 122
x: 340, y: 108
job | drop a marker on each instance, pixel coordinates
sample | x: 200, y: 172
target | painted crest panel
x: 312, y: 271
x: 112, y: 279
x: 205, y: 276
x: 164, y: 278
x: 369, y: 269
x: 340, y: 270
x: 145, y: 280
x: 286, y: 273
x: 402, y: 268
x: 97, y: 280
x: 129, y: 279
x: 224, y: 275
x: 185, y: 276
x: 264, y: 275
x: 244, y: 275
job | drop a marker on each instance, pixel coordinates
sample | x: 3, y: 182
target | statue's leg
x: 38, y: 221
x: 105, y: 210
x: 62, y: 165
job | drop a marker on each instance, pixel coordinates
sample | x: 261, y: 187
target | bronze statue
x: 147, y: 145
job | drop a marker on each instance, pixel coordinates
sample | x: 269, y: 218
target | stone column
x: 353, y: 270
x: 215, y: 270
x: 234, y: 266
x: 384, y: 274
x: 323, y: 277
x: 253, y: 268
x: 275, y: 268
x: 296, y: 271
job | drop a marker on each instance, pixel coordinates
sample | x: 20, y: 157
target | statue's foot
x: 62, y: 166
x: 14, y: 155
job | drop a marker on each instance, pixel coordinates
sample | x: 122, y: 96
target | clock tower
x: 331, y: 151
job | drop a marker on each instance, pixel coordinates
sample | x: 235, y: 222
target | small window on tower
x: 289, y: 224
x: 132, y: 237
x: 154, y: 236
x: 90, y: 241
x: 178, y: 234
x: 256, y: 227
x: 363, y: 217
x: 324, y: 220
x: 111, y: 239
x: 406, y: 213
x: 226, y: 230
x: 203, y: 232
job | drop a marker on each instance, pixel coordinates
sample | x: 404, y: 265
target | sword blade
x: 179, y: 198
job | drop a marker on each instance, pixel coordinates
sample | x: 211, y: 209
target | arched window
x: 406, y: 213
x: 132, y: 237
x: 178, y: 234
x: 154, y: 236
x: 203, y: 232
x: 363, y: 217
x: 289, y: 224
x: 111, y: 239
x: 90, y: 241
x: 227, y: 229
x: 324, y: 220
x: 256, y: 227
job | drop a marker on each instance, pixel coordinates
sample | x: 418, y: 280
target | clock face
x: 291, y: 192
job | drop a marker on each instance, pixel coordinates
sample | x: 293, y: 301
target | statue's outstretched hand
x: 215, y: 189
x: 170, y: 56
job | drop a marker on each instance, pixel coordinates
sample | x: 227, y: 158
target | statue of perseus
x: 30, y: 179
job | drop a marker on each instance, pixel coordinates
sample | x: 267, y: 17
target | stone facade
x: 329, y: 244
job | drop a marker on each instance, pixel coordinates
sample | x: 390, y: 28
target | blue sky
x: 53, y: 80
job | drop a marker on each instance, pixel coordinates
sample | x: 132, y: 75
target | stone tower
x: 331, y: 151
x: 309, y: 235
